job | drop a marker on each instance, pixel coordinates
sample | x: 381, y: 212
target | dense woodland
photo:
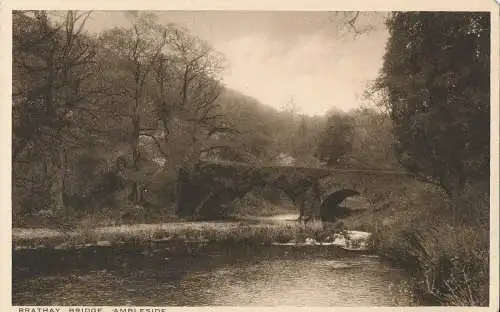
x: 105, y: 121
x: 435, y: 85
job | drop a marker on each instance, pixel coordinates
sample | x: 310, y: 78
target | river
x: 194, y: 274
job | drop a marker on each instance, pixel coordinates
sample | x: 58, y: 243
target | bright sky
x: 276, y: 56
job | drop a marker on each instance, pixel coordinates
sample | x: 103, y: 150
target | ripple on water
x: 340, y: 265
x: 301, y: 283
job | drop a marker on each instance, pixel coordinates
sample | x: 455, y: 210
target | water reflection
x: 343, y: 282
x: 216, y: 275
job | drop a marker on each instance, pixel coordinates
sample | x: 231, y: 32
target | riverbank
x: 443, y: 245
x: 222, y: 232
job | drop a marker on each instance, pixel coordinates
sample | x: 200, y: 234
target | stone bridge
x: 208, y: 188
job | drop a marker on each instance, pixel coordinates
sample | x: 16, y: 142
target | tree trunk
x: 135, y: 192
x: 301, y: 202
x: 57, y: 184
x: 135, y: 195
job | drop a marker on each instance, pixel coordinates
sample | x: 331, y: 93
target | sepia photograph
x: 251, y: 158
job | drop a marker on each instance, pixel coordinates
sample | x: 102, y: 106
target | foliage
x: 436, y: 77
x: 435, y: 84
x: 372, y: 146
x: 82, y: 104
x: 336, y: 141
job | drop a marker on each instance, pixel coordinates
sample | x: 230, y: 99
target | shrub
x: 444, y: 244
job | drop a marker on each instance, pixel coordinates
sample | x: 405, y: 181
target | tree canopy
x: 436, y: 77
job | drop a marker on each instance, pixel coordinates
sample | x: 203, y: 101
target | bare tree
x: 188, y: 89
x: 139, y: 48
x: 53, y: 61
x: 352, y: 24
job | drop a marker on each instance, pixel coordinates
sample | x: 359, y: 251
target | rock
x: 103, y: 243
x: 310, y: 241
x: 358, y: 235
x: 62, y: 246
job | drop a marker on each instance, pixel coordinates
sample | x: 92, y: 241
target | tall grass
x: 444, y: 244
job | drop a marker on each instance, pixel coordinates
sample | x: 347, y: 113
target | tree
x: 336, y: 140
x: 436, y: 77
x: 258, y: 138
x: 188, y: 87
x: 372, y: 146
x: 138, y: 49
x: 53, y: 68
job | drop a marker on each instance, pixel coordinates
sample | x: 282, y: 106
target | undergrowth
x: 442, y: 243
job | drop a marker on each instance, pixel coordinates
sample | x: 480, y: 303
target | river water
x: 195, y: 274
x: 209, y: 275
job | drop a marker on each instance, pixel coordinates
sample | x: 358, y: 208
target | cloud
x: 317, y: 71
x: 273, y: 56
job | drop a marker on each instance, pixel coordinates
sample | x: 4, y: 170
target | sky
x: 305, y: 58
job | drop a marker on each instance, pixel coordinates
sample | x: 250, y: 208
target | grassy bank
x: 444, y: 247
x: 226, y: 232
